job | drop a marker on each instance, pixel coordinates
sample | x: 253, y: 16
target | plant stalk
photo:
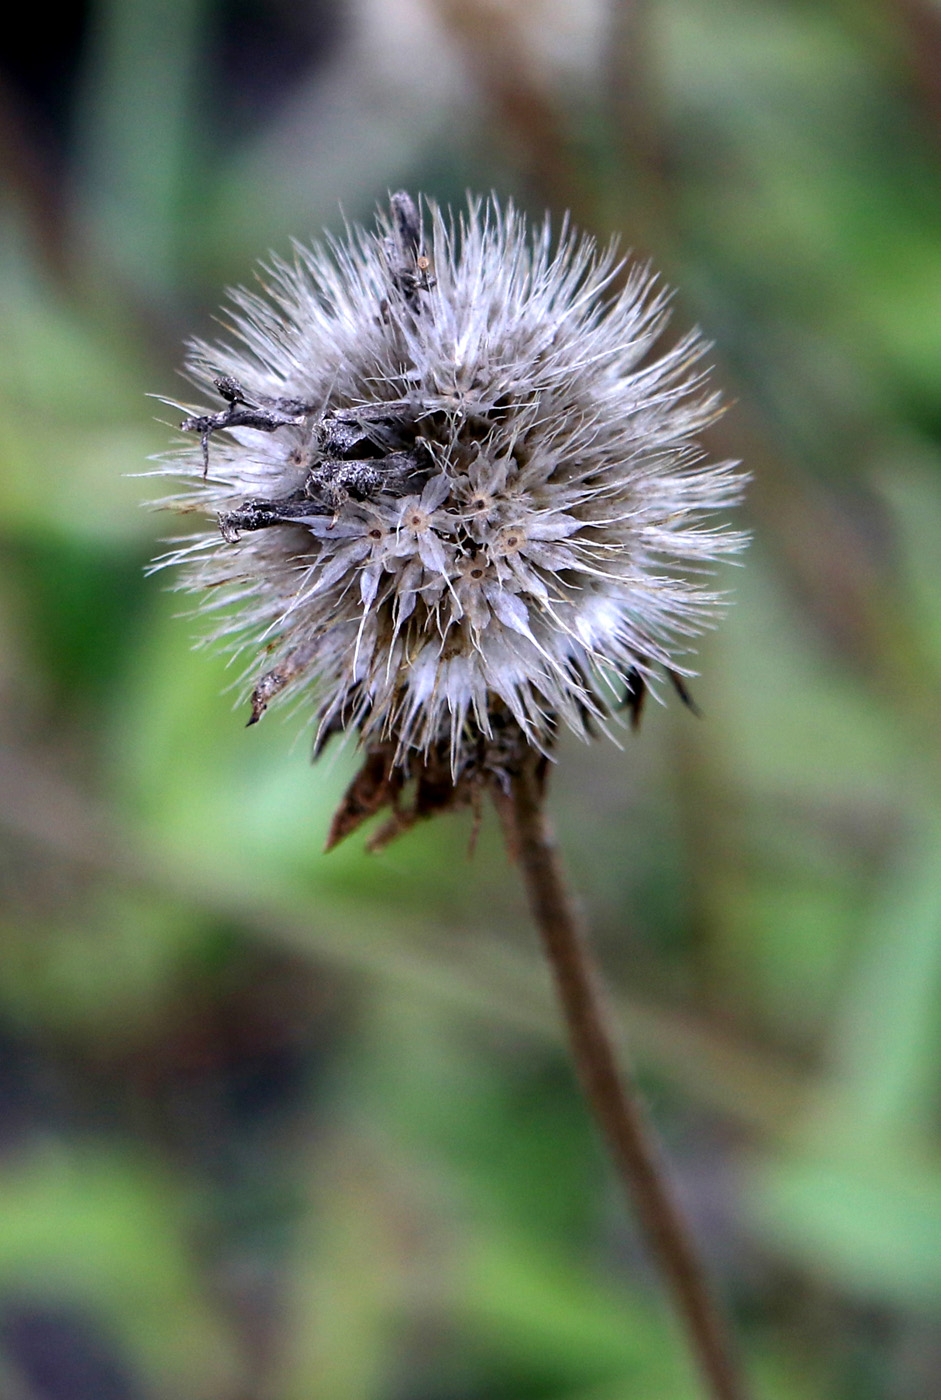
x: 610, y: 1092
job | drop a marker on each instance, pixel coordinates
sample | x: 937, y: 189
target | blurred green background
x: 281, y: 1126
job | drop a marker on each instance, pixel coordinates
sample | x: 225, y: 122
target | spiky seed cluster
x: 455, y: 482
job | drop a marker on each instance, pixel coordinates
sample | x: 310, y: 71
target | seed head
x: 457, y: 484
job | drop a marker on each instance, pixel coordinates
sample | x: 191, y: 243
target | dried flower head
x: 457, y: 487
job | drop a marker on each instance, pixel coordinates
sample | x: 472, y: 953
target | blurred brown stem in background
x: 610, y: 1092
x: 520, y: 109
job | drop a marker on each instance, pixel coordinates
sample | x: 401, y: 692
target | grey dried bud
x: 457, y: 485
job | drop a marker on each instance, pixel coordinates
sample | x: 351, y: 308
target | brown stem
x: 610, y: 1093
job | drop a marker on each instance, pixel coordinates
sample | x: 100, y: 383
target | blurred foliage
x: 277, y: 1125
